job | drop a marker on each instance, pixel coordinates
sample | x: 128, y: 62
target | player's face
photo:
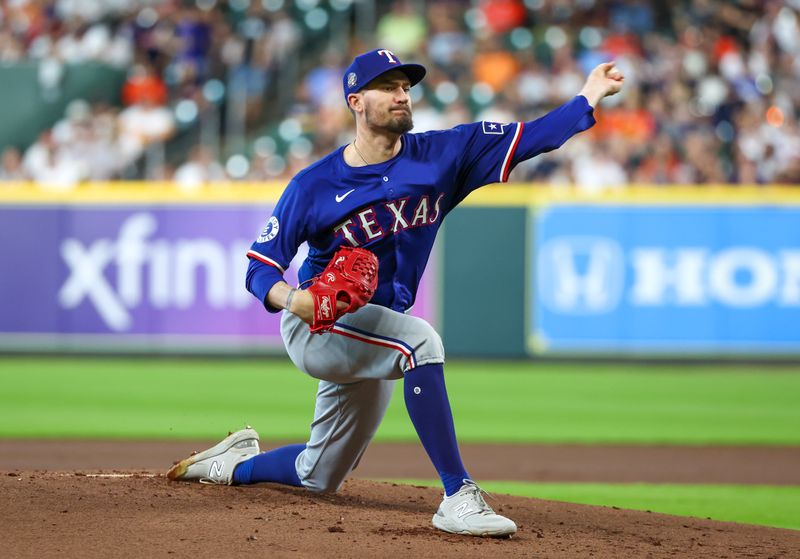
x: 387, y: 104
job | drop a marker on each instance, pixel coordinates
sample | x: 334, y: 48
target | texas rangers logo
x: 390, y: 55
x: 492, y: 128
x: 270, y: 231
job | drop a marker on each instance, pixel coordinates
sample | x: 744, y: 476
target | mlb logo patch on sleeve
x: 270, y: 231
x: 493, y: 128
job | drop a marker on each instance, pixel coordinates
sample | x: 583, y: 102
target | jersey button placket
x: 396, y: 281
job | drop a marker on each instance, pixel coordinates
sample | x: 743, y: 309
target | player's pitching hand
x: 603, y: 81
x: 303, y: 306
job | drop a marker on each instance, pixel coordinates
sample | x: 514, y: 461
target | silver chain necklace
x: 360, y: 154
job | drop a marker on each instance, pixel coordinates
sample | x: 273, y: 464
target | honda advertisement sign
x: 102, y: 277
x: 665, y: 280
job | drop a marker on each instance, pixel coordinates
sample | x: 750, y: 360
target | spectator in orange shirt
x: 494, y: 65
x: 144, y: 85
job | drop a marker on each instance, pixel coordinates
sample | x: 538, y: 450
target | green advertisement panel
x: 483, y: 284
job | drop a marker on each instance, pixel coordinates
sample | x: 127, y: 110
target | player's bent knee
x: 323, y: 484
x: 429, y: 348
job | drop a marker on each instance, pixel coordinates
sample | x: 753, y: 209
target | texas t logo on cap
x: 388, y: 54
x: 368, y: 66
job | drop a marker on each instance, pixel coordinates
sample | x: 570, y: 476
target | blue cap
x: 368, y: 66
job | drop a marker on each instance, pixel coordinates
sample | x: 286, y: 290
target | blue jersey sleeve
x: 552, y: 130
x: 490, y: 150
x: 277, y: 244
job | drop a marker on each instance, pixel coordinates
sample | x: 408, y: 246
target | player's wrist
x: 290, y: 299
x: 301, y: 305
x: 592, y: 93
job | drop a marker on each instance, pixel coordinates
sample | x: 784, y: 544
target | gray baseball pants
x: 357, y: 364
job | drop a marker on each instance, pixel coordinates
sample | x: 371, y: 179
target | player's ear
x: 356, y: 102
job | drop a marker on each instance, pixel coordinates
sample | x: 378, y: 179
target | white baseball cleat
x: 216, y: 464
x: 467, y: 513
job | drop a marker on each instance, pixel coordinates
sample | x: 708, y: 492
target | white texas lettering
x: 344, y: 229
x: 421, y: 213
x: 369, y: 225
x: 397, y: 208
x: 367, y: 221
x: 434, y: 216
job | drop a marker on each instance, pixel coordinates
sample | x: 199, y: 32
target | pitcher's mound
x: 142, y: 514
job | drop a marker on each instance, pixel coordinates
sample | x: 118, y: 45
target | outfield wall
x: 519, y: 270
x: 140, y: 268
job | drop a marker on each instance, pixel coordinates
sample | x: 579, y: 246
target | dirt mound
x: 141, y: 514
x: 545, y: 463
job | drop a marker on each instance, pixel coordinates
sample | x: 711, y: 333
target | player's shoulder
x: 449, y: 140
x: 323, y: 168
x: 319, y: 177
x: 430, y: 135
x: 446, y: 135
x: 431, y: 139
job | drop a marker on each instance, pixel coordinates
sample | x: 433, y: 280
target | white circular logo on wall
x: 270, y: 230
x: 580, y: 275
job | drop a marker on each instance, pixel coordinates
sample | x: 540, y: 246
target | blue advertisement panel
x: 665, y: 280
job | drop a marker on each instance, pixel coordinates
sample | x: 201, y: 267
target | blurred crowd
x: 179, y: 58
x: 712, y: 86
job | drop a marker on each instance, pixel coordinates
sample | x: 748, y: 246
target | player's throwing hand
x: 603, y: 81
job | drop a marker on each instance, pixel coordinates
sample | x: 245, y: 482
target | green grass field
x: 492, y: 401
x: 746, y: 504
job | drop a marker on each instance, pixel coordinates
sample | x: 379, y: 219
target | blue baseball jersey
x: 395, y: 208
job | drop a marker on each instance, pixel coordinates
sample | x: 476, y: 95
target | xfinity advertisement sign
x: 141, y: 278
x: 115, y: 276
x: 693, y: 280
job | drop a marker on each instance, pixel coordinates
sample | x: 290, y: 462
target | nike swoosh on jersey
x: 340, y: 197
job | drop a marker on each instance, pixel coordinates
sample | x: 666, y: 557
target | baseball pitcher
x: 370, y: 212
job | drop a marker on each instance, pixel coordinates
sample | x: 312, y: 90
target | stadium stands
x: 713, y: 86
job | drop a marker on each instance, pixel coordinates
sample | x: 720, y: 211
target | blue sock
x: 277, y: 466
x: 429, y: 410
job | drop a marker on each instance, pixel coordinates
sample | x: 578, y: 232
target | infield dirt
x: 66, y: 499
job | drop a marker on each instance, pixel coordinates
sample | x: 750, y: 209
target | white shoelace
x: 209, y: 481
x: 474, y: 488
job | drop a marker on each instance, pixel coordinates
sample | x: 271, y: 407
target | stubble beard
x: 395, y: 124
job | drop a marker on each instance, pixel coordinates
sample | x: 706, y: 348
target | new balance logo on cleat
x: 216, y: 469
x: 216, y: 464
x: 466, y: 512
x: 463, y: 509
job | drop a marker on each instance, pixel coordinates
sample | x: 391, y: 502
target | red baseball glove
x: 351, y: 277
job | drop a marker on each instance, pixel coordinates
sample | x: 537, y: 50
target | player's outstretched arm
x: 605, y: 80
